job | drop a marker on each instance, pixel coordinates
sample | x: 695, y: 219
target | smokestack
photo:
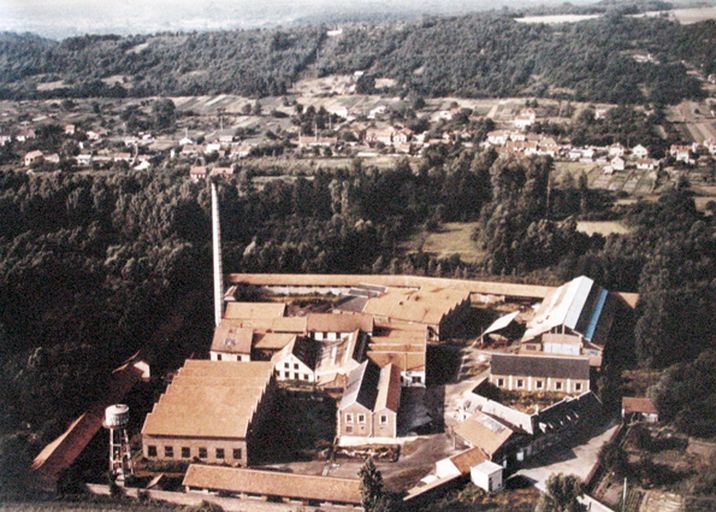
x: 216, y: 250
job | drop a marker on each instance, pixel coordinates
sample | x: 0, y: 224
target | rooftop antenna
x: 216, y: 249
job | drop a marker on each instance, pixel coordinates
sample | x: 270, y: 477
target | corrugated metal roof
x: 501, y: 322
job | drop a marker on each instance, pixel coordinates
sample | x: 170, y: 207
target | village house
x: 221, y: 172
x: 212, y: 147
x: 640, y: 409
x: 525, y: 119
x: 616, y: 149
x: 710, y: 146
x: 84, y: 159
x: 370, y: 402
x: 497, y: 439
x: 184, y: 426
x: 498, y: 137
x: 52, y: 158
x: 682, y: 153
x: 379, y: 135
x: 647, y: 164
x: 274, y: 486
x: 25, y: 134
x: 539, y: 373
x: 197, y: 173
x: 33, y: 157
x: 70, y: 129
x: 639, y: 151
x: 617, y: 163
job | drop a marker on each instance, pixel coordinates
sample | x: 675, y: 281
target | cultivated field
x: 685, y: 16
x: 554, y: 19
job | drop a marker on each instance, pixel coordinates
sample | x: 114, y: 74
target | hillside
x: 472, y: 56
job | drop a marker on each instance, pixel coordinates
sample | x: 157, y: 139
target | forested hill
x: 473, y: 56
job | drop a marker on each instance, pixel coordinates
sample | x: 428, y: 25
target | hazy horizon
x: 67, y: 18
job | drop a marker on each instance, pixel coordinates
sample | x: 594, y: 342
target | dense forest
x: 472, y: 56
x: 93, y: 266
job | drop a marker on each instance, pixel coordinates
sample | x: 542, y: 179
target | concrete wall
x: 387, y: 429
x: 296, y: 370
x: 223, y: 356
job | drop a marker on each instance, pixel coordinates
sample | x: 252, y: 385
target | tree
x: 163, y: 114
x: 371, y: 486
x: 15, y: 461
x: 562, y: 495
x: 613, y: 458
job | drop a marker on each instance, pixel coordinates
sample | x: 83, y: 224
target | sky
x: 63, y: 18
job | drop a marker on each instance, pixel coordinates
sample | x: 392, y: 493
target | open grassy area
x: 451, y: 238
x: 604, y: 228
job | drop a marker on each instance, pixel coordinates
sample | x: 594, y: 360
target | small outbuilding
x: 487, y: 476
x: 639, y: 408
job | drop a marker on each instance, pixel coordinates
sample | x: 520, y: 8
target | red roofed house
x: 639, y: 408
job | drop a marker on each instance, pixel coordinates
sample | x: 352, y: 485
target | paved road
x: 575, y: 460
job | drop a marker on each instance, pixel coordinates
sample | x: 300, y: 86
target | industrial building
x: 213, y: 411
x: 540, y: 373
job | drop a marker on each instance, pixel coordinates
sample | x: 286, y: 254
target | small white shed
x: 487, y: 476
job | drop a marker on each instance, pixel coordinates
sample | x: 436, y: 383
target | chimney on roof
x: 216, y: 249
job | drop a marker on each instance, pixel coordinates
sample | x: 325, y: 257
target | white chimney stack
x: 216, y: 250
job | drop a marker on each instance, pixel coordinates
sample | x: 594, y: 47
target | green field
x: 451, y: 238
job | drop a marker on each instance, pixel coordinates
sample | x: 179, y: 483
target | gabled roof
x: 272, y: 340
x: 362, y: 386
x: 540, y: 366
x: 643, y: 405
x: 273, y: 483
x: 484, y: 432
x: 210, y: 399
x: 465, y: 460
x: 388, y: 389
x: 304, y: 349
x: 576, y: 305
x: 229, y: 338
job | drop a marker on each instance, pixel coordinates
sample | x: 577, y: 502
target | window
x: 557, y: 385
x: 219, y: 453
x: 185, y: 452
x: 237, y: 453
x: 305, y: 376
x: 169, y: 451
x: 151, y: 451
x: 286, y: 365
x: 361, y: 418
x: 417, y: 379
x: 218, y: 357
x: 520, y: 383
x: 539, y: 384
x: 349, y: 418
x: 578, y: 386
x: 202, y: 453
x: 349, y: 429
x: 500, y: 382
x: 383, y: 419
x: 295, y: 366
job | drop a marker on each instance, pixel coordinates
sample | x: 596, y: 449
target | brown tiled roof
x: 254, y: 310
x: 388, y: 389
x: 272, y: 340
x: 230, y: 337
x: 465, y: 460
x: 642, y: 405
x: 210, y: 399
x: 330, y: 322
x: 540, y: 366
x: 273, y: 483
x: 484, y: 432
x: 406, y: 361
x: 426, y: 306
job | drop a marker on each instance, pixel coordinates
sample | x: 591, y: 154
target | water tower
x: 116, y: 420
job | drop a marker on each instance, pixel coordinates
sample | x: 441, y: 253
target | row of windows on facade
x: 186, y: 452
x: 361, y: 418
x: 539, y: 384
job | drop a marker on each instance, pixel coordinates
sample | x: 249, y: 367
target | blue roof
x: 596, y: 313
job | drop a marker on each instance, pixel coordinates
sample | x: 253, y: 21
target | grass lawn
x: 604, y: 228
x: 452, y: 238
